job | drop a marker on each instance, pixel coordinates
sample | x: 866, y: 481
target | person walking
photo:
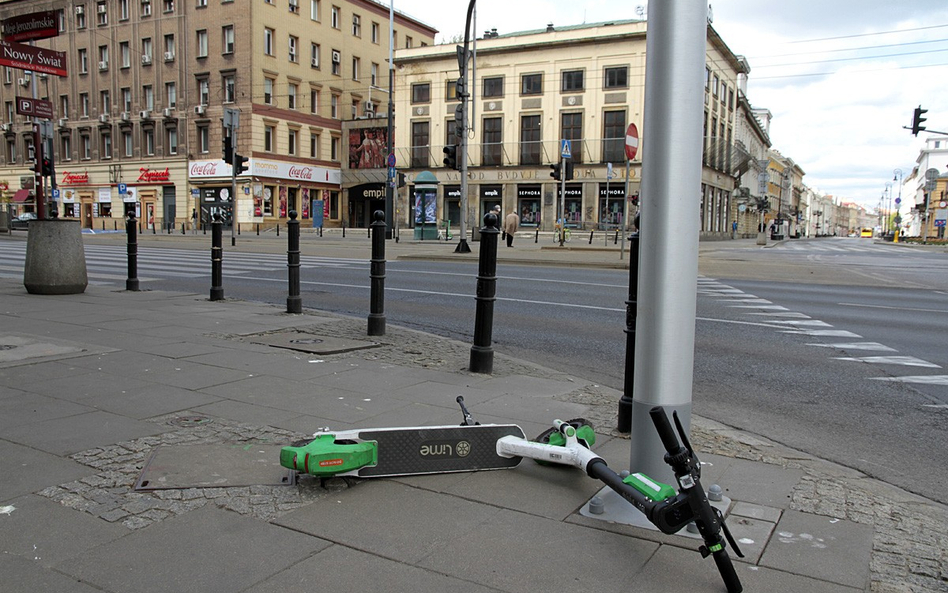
x: 510, y: 226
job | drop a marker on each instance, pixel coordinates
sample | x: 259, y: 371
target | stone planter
x: 55, y: 258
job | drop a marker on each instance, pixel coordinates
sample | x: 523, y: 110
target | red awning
x: 21, y: 195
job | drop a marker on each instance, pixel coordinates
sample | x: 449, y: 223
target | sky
x: 841, y: 77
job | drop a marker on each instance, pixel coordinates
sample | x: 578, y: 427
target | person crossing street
x: 510, y: 226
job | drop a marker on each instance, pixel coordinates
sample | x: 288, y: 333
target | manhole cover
x: 189, y: 421
x: 7, y: 346
x: 312, y: 344
x: 214, y: 466
x: 307, y: 341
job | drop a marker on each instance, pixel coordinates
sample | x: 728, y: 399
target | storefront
x: 611, y: 205
x: 364, y: 200
x: 490, y: 195
x: 573, y: 204
x: 528, y: 204
x: 452, y: 204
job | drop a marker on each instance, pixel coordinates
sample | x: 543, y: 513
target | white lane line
x: 874, y: 346
x: 748, y: 301
x: 923, y: 379
x: 891, y: 307
x: 802, y: 322
x: 782, y: 314
x: 836, y: 333
x: 768, y: 307
x: 909, y: 361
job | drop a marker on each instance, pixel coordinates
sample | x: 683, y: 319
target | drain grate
x: 190, y: 421
x: 311, y: 344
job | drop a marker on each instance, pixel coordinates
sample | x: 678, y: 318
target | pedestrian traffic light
x: 918, y: 119
x: 228, y: 150
x: 451, y: 157
x: 555, y: 171
x: 240, y: 164
x: 47, y: 167
x: 569, y: 171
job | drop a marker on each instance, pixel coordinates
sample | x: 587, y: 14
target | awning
x: 22, y: 195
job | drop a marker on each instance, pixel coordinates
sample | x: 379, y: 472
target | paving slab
x: 344, y: 569
x: 63, y: 436
x: 751, y: 481
x: 19, y: 467
x: 825, y: 548
x: 19, y: 408
x: 391, y: 519
x: 22, y: 575
x: 515, y: 552
x: 207, y: 549
x: 517, y: 408
x: 151, y: 400
x: 46, y: 532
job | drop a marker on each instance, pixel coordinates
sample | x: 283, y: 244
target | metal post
x: 482, y: 353
x: 131, y: 229
x: 377, y: 276
x: 671, y: 178
x: 294, y: 304
x: 217, y: 256
x: 625, y: 212
x: 624, y: 423
x: 562, y: 206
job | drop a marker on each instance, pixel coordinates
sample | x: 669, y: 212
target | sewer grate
x: 311, y: 344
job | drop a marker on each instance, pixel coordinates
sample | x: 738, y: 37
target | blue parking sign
x: 123, y: 189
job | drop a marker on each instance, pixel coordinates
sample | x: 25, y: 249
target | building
x: 534, y: 89
x: 752, y: 141
x: 149, y: 81
x: 926, y: 190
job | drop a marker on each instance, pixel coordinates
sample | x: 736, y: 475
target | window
x: 408, y: 42
x: 125, y: 53
x: 313, y: 100
x: 123, y: 10
x: 314, y: 146
x: 202, y: 3
x: 334, y: 107
x: 421, y: 93
x: 420, y: 139
x: 202, y: 43
x: 334, y: 17
x: 294, y: 6
x: 105, y: 101
x: 230, y: 88
x: 204, y: 91
x: 714, y: 85
x: 171, y: 94
x: 268, y: 41
x: 65, y: 148
x: 172, y: 140
x: 355, y: 68
x: 83, y: 54
x: 268, y: 91
x: 357, y: 25
x: 572, y: 129
x: 613, y: 136
x: 291, y: 91
x: 103, y: 57
x: 268, y: 132
x: 83, y: 104
x: 572, y: 80
x: 336, y: 61
x: 169, y: 48
x: 106, y: 145
x: 375, y: 33
x: 86, y: 147
x: 493, y: 87
x: 291, y: 141
x: 294, y: 44
x: 169, y: 5
x: 227, y: 35
x: 127, y: 142
x: 617, y: 78
x: 492, y: 149
x: 314, y: 9
x: 63, y: 107
x: 334, y: 149
x: 126, y: 99
x: 102, y: 13
x: 7, y: 74
x: 530, y: 140
x: 146, y: 7
x: 314, y: 55
x: 531, y: 84
x: 148, y: 138
x: 80, y: 16
x: 148, y: 97
x: 375, y: 75
x: 146, y: 51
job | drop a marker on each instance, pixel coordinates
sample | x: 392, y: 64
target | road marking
x: 891, y: 307
x: 802, y: 322
x: 936, y: 406
x: 783, y: 314
x: 837, y: 333
x: 748, y: 301
x: 924, y: 379
x: 909, y: 361
x: 770, y: 307
x: 858, y: 346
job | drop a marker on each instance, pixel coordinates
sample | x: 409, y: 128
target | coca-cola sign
x: 73, y: 178
x: 301, y: 173
x: 149, y: 176
x: 203, y: 169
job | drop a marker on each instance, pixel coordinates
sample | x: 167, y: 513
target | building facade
x: 535, y: 89
x: 143, y: 105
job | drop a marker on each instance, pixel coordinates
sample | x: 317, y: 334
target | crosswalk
x: 786, y: 321
x: 840, y: 246
x: 107, y: 264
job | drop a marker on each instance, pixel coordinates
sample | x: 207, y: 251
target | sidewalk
x: 92, y: 385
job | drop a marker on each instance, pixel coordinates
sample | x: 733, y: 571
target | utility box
x: 425, y: 206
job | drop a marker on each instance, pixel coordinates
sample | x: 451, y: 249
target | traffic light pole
x: 562, y: 204
x: 463, y: 247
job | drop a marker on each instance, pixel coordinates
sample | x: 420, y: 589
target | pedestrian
x: 194, y: 220
x: 510, y: 226
x: 500, y: 215
x: 734, y: 229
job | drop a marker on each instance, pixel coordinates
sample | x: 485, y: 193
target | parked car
x: 22, y: 221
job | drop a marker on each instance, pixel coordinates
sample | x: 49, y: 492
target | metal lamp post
x: 897, y: 176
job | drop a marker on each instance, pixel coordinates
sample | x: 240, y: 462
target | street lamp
x: 897, y: 176
x: 888, y: 206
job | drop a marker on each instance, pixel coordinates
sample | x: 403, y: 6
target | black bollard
x: 217, y: 256
x: 482, y: 353
x: 258, y: 229
x: 536, y: 238
x: 343, y: 232
x: 624, y: 423
x: 278, y: 229
x: 294, y: 304
x: 377, y: 276
x: 131, y: 229
x: 591, y: 237
x: 183, y: 229
x: 616, y: 241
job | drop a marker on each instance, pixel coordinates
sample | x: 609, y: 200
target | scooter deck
x: 406, y: 451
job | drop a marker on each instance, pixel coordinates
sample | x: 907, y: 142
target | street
x: 829, y: 346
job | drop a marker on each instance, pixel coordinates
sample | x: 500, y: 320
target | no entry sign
x: 631, y: 141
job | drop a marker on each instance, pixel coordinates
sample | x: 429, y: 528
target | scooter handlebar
x: 664, y: 429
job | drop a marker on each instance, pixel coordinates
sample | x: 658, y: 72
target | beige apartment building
x: 143, y: 104
x: 534, y: 89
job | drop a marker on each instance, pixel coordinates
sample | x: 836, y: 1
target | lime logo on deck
x: 444, y: 449
x: 330, y: 462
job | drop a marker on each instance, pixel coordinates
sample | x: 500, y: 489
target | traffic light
x: 401, y: 180
x: 555, y: 171
x: 569, y: 170
x: 228, y: 150
x: 240, y: 164
x: 47, y: 167
x: 918, y: 119
x: 451, y: 157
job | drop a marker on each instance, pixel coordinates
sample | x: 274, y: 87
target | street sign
x: 231, y: 118
x: 34, y: 107
x: 566, y: 149
x: 631, y: 141
x: 122, y: 189
x: 391, y: 159
x: 36, y: 25
x: 939, y: 223
x: 609, y: 174
x: 28, y: 57
x: 55, y: 194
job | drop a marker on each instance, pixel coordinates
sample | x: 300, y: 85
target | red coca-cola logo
x: 146, y: 174
x: 75, y: 178
x: 301, y: 173
x: 204, y: 169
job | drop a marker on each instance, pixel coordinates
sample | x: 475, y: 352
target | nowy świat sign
x: 28, y: 57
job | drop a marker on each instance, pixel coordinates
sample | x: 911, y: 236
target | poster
x: 367, y: 148
x: 282, y: 201
x: 305, y: 203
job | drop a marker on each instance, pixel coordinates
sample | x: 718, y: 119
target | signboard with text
x: 37, y: 59
x: 34, y: 107
x: 36, y: 25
